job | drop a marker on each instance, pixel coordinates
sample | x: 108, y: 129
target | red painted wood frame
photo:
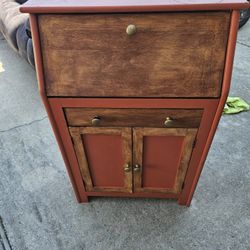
x: 115, y: 6
x: 212, y: 112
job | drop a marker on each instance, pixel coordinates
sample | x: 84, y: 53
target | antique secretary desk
x: 134, y: 89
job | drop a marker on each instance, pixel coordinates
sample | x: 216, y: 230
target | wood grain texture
x: 189, y: 118
x: 82, y: 156
x: 171, y: 55
x: 73, y: 6
x: 185, y: 154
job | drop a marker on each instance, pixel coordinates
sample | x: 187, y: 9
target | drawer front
x: 86, y: 117
x: 170, y: 54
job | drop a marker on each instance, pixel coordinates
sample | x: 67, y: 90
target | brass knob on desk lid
x: 168, y: 121
x: 137, y: 168
x: 96, y: 121
x: 127, y: 168
x: 131, y: 29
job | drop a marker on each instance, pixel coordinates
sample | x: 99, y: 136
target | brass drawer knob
x: 137, y: 168
x: 96, y: 121
x: 131, y: 29
x: 127, y: 168
x: 168, y: 121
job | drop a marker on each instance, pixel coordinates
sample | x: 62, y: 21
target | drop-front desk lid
x: 102, y: 6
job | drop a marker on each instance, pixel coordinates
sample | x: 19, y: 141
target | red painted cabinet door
x: 160, y: 158
x: 104, y: 157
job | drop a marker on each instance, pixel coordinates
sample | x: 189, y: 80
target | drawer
x: 178, y: 54
x: 116, y: 117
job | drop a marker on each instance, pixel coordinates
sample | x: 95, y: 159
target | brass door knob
x: 127, y: 168
x: 137, y: 168
x: 96, y: 121
x: 168, y: 121
x: 131, y: 29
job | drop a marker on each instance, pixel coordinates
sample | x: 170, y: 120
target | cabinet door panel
x: 154, y: 160
x: 163, y: 156
x: 102, y: 155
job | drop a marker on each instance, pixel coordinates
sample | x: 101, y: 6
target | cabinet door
x: 104, y: 157
x: 161, y: 157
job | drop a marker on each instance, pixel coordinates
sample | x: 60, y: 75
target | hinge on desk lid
x: 71, y: 137
x: 194, y: 143
x: 72, y: 140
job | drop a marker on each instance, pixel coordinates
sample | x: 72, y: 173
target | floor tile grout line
x: 5, y: 242
x: 243, y: 44
x: 1, y: 243
x: 23, y: 125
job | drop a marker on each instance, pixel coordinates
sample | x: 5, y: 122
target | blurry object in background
x: 244, y: 16
x: 1, y: 67
x: 235, y: 105
x: 14, y: 26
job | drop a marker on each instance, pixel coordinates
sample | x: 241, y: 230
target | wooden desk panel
x: 170, y: 55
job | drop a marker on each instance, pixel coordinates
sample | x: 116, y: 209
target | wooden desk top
x: 104, y: 6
